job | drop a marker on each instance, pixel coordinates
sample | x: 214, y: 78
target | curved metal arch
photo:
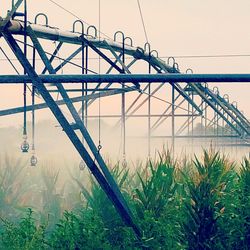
x: 44, y: 16
x: 92, y: 27
x: 81, y: 26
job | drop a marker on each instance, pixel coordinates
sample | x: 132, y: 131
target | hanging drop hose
x: 25, y: 144
x: 33, y: 159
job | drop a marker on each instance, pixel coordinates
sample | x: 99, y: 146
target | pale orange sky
x: 190, y: 27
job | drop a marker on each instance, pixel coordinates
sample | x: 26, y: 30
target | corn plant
x: 207, y: 191
x: 238, y: 221
x: 79, y: 181
x: 96, y: 198
x: 245, y: 199
x: 51, y: 198
x: 200, y: 204
x: 97, y: 201
x: 156, y: 206
x: 157, y: 190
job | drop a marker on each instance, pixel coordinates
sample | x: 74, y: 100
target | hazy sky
x: 175, y: 28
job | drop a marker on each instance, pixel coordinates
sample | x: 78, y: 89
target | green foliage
x: 84, y: 231
x: 51, y: 199
x: 200, y: 204
x: 207, y: 191
x: 25, y: 235
x: 236, y: 219
x: 12, y: 188
x: 116, y: 231
x: 156, y: 205
x: 244, y: 205
x: 157, y: 190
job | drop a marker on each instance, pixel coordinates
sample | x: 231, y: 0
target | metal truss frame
x: 213, y: 110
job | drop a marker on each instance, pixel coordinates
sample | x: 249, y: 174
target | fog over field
x: 52, y: 145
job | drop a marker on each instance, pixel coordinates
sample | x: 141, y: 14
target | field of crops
x: 178, y: 204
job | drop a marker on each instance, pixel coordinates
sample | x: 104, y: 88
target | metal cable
x: 161, y: 57
x: 9, y: 60
x: 143, y: 23
x: 212, y: 56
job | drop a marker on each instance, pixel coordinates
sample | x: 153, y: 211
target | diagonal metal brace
x: 128, y: 219
x: 17, y: 110
x: 120, y: 202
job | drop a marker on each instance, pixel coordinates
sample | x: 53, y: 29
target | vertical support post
x: 215, y: 125
x: 81, y: 165
x: 149, y: 120
x: 205, y: 117
x: 236, y: 139
x: 201, y: 132
x: 86, y: 86
x: 123, y: 126
x: 217, y: 128
x: 149, y: 111
x: 192, y: 123
x: 188, y: 124
x: 83, y: 85
x: 173, y: 119
x: 202, y: 125
x: 223, y: 126
x: 123, y: 106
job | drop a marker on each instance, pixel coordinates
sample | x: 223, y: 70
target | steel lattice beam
x: 130, y: 78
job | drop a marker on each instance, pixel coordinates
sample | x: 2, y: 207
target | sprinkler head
x: 33, y: 161
x: 82, y: 165
x: 25, y: 146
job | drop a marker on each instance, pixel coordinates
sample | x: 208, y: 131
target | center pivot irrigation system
x: 191, y: 100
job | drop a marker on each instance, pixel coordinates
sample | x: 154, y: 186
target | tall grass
x: 178, y: 204
x: 12, y: 189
